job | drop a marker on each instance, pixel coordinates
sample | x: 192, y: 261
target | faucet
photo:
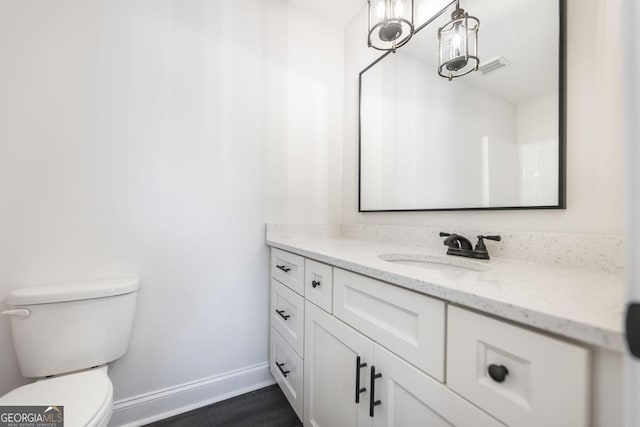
x: 461, y: 246
x: 456, y: 241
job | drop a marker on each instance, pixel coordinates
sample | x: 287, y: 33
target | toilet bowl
x: 65, y: 335
x: 86, y: 396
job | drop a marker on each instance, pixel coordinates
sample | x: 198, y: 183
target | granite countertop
x: 581, y: 304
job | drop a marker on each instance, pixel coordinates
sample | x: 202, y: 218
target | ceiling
x: 339, y: 12
x: 525, y: 32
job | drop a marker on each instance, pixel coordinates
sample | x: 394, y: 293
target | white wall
x: 594, y: 160
x: 303, y: 118
x: 137, y: 138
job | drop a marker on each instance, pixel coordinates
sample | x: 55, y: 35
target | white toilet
x: 68, y: 333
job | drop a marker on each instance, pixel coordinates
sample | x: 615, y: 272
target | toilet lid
x: 85, y: 396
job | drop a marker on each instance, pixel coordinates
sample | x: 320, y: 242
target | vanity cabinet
x: 352, y: 381
x: 349, y: 350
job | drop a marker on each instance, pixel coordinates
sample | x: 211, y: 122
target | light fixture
x: 458, y: 45
x: 390, y: 23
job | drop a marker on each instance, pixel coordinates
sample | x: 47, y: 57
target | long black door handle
x: 280, y: 365
x: 284, y: 268
x: 358, y: 388
x: 372, y: 393
x: 281, y: 313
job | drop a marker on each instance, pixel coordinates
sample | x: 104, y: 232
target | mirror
x: 493, y: 139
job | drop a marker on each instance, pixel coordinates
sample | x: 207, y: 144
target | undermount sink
x: 435, y: 262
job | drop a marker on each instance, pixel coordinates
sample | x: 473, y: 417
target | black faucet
x: 461, y: 246
x: 456, y: 241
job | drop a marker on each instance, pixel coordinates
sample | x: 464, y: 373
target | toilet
x: 65, y: 335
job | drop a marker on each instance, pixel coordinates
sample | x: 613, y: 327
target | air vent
x: 493, y: 64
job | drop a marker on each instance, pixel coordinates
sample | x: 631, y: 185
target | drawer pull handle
x: 281, y: 313
x: 284, y: 268
x: 498, y: 373
x: 358, y: 388
x: 280, y: 365
x: 372, y: 396
x: 315, y: 283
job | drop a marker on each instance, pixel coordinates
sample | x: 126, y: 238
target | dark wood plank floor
x: 266, y: 407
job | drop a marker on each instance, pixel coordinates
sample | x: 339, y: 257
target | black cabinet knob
x: 498, y: 373
x: 315, y: 283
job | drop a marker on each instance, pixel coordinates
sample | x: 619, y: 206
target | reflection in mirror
x: 491, y: 139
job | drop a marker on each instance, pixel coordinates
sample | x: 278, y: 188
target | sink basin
x: 435, y: 262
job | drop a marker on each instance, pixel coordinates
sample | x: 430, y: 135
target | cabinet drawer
x: 545, y: 382
x: 287, y: 369
x: 287, y: 315
x: 412, y: 325
x: 318, y: 283
x: 288, y: 268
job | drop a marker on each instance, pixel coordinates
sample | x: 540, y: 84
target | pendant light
x: 390, y: 23
x: 458, y: 45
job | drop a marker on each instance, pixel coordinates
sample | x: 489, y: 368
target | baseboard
x: 149, y: 407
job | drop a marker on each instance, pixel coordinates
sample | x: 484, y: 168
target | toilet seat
x: 87, y: 396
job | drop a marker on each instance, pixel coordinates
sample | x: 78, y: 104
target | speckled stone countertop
x: 582, y: 304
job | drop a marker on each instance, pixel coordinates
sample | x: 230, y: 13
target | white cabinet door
x: 332, y: 350
x: 406, y: 396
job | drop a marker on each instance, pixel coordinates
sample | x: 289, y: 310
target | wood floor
x: 266, y: 407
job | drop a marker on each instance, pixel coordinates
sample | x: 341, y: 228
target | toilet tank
x: 73, y: 326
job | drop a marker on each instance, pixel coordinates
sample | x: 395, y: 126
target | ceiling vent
x: 493, y: 64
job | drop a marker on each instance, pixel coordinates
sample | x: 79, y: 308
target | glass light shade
x: 459, y: 45
x: 390, y: 23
